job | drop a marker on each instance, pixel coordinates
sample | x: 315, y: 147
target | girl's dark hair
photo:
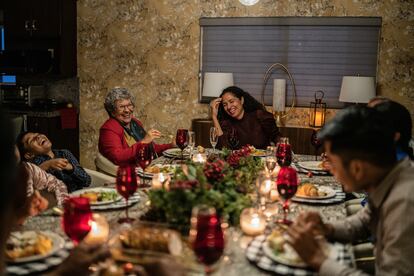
x: 400, y: 120
x: 250, y: 104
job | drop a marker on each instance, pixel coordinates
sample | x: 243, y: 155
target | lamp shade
x: 356, y: 89
x: 214, y: 83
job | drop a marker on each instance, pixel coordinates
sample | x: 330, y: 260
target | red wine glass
x: 144, y: 159
x: 316, y: 142
x: 206, y: 236
x: 77, y: 218
x: 181, y: 139
x: 126, y: 185
x: 284, y: 152
x: 287, y: 184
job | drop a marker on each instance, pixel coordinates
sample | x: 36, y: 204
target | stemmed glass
x: 144, y: 159
x: 270, y: 160
x: 284, y: 152
x: 206, y: 236
x: 287, y: 184
x: 213, y: 138
x: 233, y: 139
x: 191, y: 142
x: 316, y: 143
x: 181, y: 139
x: 77, y: 218
x: 126, y: 185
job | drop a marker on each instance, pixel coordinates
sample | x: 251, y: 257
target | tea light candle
x: 199, y: 158
x: 160, y: 180
x: 99, y: 230
x: 252, y: 222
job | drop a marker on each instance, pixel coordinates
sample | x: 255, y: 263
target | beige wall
x: 152, y: 48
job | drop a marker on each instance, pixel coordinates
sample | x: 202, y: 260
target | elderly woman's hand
x: 151, y: 135
x: 214, y: 105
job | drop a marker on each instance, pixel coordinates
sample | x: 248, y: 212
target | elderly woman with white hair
x: 122, y: 135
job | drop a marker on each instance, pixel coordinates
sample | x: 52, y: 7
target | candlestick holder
x: 278, y: 114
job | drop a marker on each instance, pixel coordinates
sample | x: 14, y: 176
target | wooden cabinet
x: 60, y: 138
x: 43, y: 26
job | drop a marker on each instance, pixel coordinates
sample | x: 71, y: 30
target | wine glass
x: 213, y: 138
x: 191, y: 142
x: 233, y: 139
x: 77, y: 218
x: 270, y: 160
x: 316, y: 142
x: 206, y: 236
x: 126, y: 185
x: 284, y: 152
x: 287, y: 184
x: 144, y: 158
x: 181, y: 139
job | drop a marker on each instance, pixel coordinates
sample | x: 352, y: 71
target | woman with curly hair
x: 241, y: 120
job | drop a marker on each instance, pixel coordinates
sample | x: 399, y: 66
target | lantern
x: 317, y: 111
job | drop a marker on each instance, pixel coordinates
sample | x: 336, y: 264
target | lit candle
x: 160, y: 180
x: 199, y: 158
x: 252, y: 222
x: 279, y: 94
x: 274, y: 195
x: 99, y: 230
x: 318, y: 118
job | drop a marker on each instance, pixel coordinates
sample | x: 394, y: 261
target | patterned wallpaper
x: 152, y: 48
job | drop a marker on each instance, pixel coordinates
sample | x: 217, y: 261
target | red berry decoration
x: 214, y: 170
x: 310, y: 174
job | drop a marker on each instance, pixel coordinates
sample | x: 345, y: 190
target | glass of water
x: 191, y: 142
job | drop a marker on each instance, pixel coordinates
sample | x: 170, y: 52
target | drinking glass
x: 181, y: 139
x: 233, y: 139
x: 206, y: 236
x: 213, y: 138
x: 144, y: 159
x: 287, y: 184
x: 77, y: 218
x: 316, y: 143
x: 191, y: 142
x: 270, y: 160
x: 126, y: 185
x: 284, y: 152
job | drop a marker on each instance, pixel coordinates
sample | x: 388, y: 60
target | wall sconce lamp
x: 213, y: 85
x: 317, y: 111
x: 357, y: 89
x: 248, y: 2
x: 279, y: 92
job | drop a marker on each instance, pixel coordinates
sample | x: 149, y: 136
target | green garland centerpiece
x: 223, y: 182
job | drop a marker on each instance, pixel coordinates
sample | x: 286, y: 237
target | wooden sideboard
x: 299, y: 138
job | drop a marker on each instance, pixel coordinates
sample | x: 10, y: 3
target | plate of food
x: 29, y: 246
x: 312, y: 165
x: 157, y: 168
x: 99, y: 196
x: 258, y: 152
x: 176, y: 153
x: 276, y: 248
x: 312, y: 191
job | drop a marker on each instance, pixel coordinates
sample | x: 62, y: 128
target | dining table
x: 235, y: 260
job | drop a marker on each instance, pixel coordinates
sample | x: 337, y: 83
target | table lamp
x: 214, y: 83
x: 357, y: 89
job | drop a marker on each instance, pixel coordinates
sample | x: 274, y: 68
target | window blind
x: 317, y: 51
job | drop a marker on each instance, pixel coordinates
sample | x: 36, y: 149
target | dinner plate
x: 175, y: 153
x: 330, y: 193
x: 57, y: 243
x: 98, y: 190
x: 282, y: 258
x: 166, y: 168
x: 311, y: 165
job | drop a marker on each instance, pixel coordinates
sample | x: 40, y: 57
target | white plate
x: 57, y: 243
x: 97, y: 190
x: 311, y: 165
x: 175, y: 153
x: 330, y: 193
x: 140, y: 172
x: 281, y: 258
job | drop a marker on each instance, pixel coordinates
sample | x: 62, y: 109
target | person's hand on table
x: 318, y: 226
x: 151, y: 135
x: 214, y: 106
x: 81, y: 258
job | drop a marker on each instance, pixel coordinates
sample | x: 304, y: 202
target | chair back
x: 104, y: 165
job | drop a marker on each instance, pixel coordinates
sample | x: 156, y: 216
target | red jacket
x: 112, y: 143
